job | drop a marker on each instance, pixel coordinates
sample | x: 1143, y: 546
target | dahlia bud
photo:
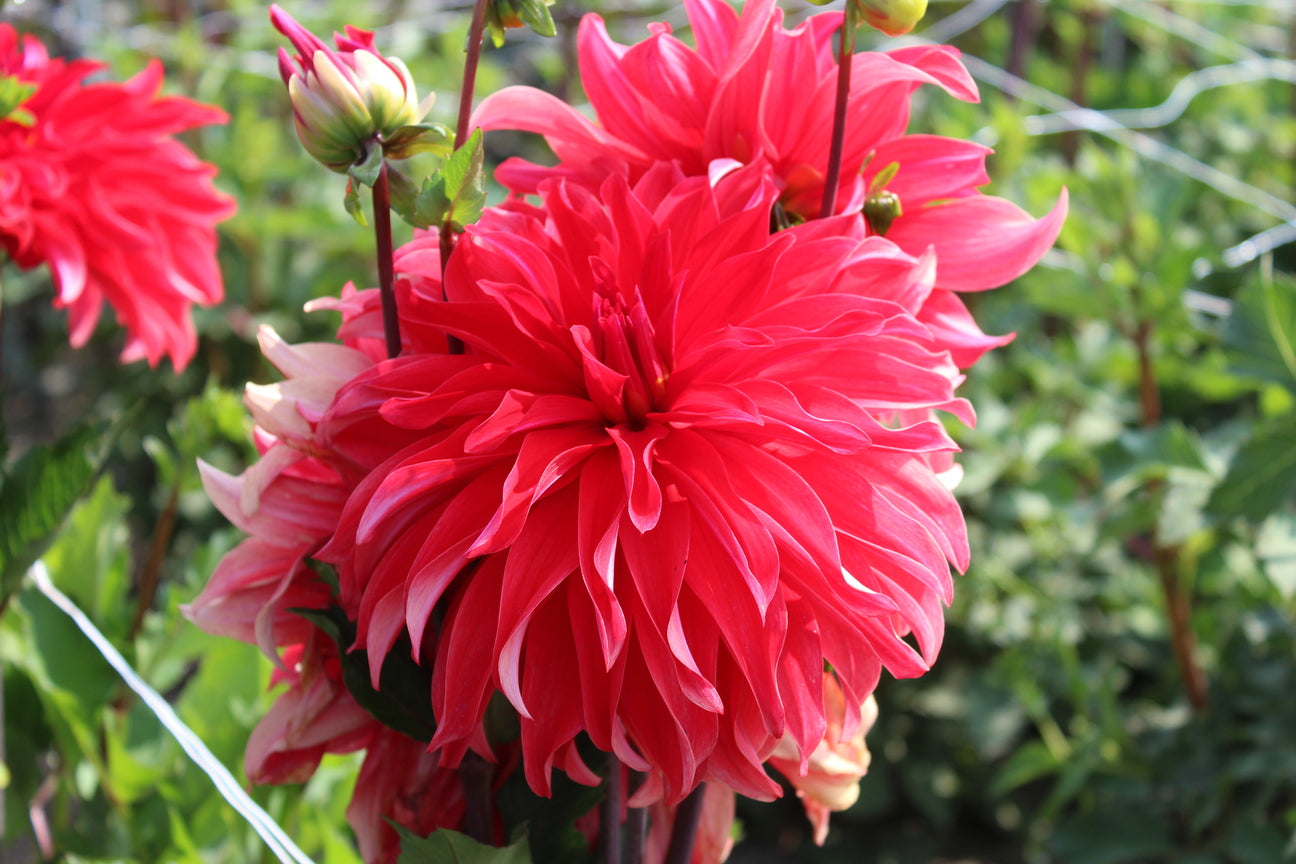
x: 347, y: 98
x: 881, y: 209
x: 12, y: 94
x: 892, y: 17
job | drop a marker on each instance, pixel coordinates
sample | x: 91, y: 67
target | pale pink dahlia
x: 753, y: 90
x: 662, y: 487
x: 290, y: 502
x: 93, y: 184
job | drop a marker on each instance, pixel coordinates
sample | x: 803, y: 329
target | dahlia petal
x: 981, y: 242
x: 932, y: 168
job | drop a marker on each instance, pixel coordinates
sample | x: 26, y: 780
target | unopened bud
x: 880, y: 210
x: 892, y: 17
x: 344, y: 98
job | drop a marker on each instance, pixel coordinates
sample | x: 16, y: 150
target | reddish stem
x: 383, y: 238
x: 845, y: 53
x: 1178, y: 600
x: 683, y: 835
x: 610, y: 813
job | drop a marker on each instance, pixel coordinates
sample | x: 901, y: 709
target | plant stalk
x: 479, y: 816
x: 383, y: 238
x: 610, y: 813
x: 476, y: 31
x: 636, y: 827
x: 683, y: 835
x: 1165, y: 559
x: 845, y: 53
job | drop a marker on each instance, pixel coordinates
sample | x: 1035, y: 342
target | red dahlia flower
x: 290, y: 502
x: 92, y: 184
x: 753, y: 91
x: 663, y: 485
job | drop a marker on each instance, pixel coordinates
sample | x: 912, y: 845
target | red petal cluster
x: 662, y: 486
x: 754, y: 91
x: 683, y: 464
x: 97, y: 188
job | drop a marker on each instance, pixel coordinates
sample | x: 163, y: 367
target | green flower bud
x: 344, y: 98
x: 880, y: 210
x: 892, y: 17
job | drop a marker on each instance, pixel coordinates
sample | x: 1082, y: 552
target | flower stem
x: 687, y: 818
x: 610, y: 813
x: 476, y: 29
x: 1178, y: 599
x: 475, y: 774
x: 844, y: 55
x: 383, y: 238
x: 636, y: 827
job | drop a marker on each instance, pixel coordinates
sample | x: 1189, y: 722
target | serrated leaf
x: 36, y: 495
x: 444, y: 846
x: 419, y: 138
x: 421, y: 208
x: 366, y: 170
x: 1261, y: 476
x: 1261, y: 330
x: 351, y: 201
x: 465, y: 182
x: 403, y: 698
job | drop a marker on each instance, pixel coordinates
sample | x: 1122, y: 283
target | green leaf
x: 465, y: 182
x: 423, y: 208
x: 403, y: 698
x: 352, y: 203
x: 1262, y: 330
x: 1031, y: 762
x: 444, y: 846
x: 366, y: 170
x: 419, y: 138
x: 1262, y: 475
x: 36, y: 495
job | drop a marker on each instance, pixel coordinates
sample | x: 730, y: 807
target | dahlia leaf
x: 444, y: 846
x: 36, y: 495
x: 550, y: 823
x: 1262, y: 475
x: 421, y: 208
x: 403, y: 698
x: 1261, y: 330
x: 465, y: 182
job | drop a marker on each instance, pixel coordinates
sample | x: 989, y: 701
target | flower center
x: 625, y: 345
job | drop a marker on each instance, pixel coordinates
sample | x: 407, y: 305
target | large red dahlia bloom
x: 663, y: 486
x: 753, y: 90
x: 92, y: 183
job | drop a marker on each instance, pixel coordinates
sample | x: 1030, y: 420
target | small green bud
x: 892, y: 17
x: 880, y: 210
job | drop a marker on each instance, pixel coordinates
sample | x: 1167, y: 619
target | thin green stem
x: 846, y: 51
x: 383, y: 239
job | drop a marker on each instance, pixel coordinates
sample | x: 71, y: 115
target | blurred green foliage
x: 1129, y: 484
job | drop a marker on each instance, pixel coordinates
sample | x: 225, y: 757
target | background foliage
x: 1129, y: 486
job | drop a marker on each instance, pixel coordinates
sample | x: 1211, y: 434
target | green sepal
x: 403, y: 698
x: 819, y: 2
x: 365, y: 171
x: 419, y: 138
x: 444, y: 846
x: 351, y: 201
x: 535, y: 14
x: 883, y: 177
